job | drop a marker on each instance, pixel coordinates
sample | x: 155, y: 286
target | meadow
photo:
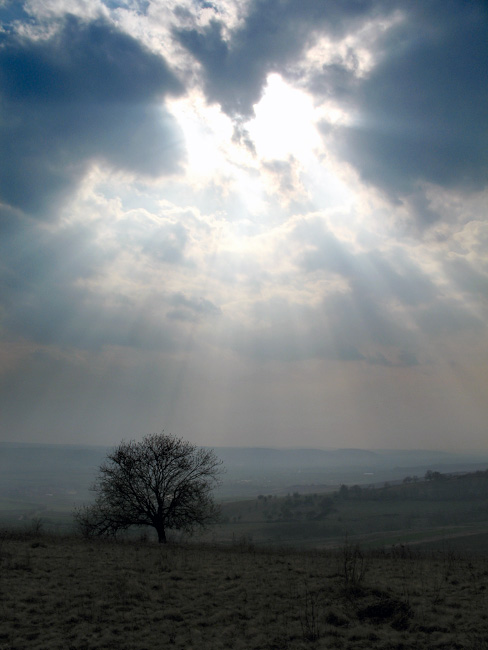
x: 449, y: 511
x: 390, y: 567
x: 63, y: 593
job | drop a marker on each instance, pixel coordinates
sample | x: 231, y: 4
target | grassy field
x: 435, y: 515
x: 391, y: 568
x: 450, y: 511
x: 377, y: 519
x: 65, y: 593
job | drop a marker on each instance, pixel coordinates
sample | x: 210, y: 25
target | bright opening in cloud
x: 207, y: 132
x: 284, y: 122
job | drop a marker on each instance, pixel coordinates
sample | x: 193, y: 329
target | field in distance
x: 282, y: 497
x: 444, y: 511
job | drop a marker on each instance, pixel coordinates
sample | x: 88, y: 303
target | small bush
x: 354, y: 566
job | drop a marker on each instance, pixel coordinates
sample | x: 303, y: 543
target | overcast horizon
x: 245, y: 222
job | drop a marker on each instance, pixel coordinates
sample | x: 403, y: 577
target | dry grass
x: 64, y: 593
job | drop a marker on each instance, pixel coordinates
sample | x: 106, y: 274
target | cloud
x: 286, y: 184
x: 33, y: 257
x: 344, y: 327
x: 366, y: 272
x: 244, y: 281
x: 111, y: 280
x: 472, y: 281
x: 191, y: 309
x: 167, y: 243
x: 421, y: 112
x: 42, y: 279
x: 272, y: 36
x: 417, y: 113
x: 86, y: 92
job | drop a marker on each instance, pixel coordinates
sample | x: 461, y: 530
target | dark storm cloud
x: 423, y: 109
x: 421, y: 113
x: 12, y: 11
x: 88, y: 92
x: 273, y: 35
x: 335, y: 80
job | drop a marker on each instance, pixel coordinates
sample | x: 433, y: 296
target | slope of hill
x: 47, y: 481
x: 62, y: 593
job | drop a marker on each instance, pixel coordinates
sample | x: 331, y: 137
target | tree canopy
x: 161, y: 481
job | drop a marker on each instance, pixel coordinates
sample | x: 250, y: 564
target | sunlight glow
x: 284, y: 122
x: 207, y: 134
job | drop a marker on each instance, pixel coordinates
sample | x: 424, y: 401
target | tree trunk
x: 161, y: 534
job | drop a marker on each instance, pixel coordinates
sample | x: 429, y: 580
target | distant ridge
x: 31, y: 470
x: 330, y: 458
x: 265, y: 456
x: 22, y: 456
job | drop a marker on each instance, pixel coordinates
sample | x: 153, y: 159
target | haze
x: 253, y: 223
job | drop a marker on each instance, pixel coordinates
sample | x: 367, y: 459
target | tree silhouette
x: 161, y: 481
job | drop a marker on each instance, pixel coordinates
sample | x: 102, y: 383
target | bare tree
x: 161, y: 481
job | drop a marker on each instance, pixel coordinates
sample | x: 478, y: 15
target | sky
x: 245, y: 222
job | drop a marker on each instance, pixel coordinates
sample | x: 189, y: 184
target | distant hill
x: 295, y: 458
x: 258, y: 457
x: 279, y: 495
x: 32, y: 465
x: 434, y: 486
x: 249, y: 470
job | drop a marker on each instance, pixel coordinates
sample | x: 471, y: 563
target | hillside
x: 448, y: 509
x: 61, y: 592
x: 269, y: 495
